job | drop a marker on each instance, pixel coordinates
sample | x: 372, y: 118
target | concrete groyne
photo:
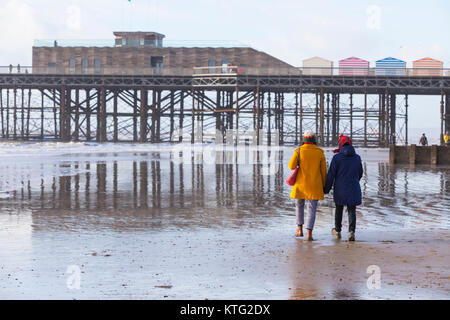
x: 413, y: 154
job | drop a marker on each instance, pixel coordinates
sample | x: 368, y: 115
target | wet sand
x: 139, y: 226
x: 227, y: 264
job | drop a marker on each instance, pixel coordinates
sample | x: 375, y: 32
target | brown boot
x: 351, y: 236
x: 336, y: 233
x: 299, y: 232
x: 309, y: 235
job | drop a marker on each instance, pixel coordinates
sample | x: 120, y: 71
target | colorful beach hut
x: 317, y: 66
x: 353, y: 66
x: 428, y: 67
x: 390, y: 67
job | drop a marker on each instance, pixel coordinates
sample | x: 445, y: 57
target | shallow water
x: 140, y: 225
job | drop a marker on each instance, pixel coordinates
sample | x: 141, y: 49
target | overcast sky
x: 291, y: 30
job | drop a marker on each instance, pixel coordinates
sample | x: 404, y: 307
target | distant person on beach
x: 423, y: 140
x: 10, y: 68
x: 343, y: 175
x: 447, y: 139
x: 309, y: 183
x: 393, y: 138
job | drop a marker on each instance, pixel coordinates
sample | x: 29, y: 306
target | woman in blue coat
x: 344, y: 175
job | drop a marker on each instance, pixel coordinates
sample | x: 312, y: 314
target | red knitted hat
x: 342, y: 141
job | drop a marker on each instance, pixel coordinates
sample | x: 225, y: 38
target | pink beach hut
x: 353, y: 66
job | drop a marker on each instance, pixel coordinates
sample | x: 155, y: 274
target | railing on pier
x: 110, y: 43
x: 228, y: 70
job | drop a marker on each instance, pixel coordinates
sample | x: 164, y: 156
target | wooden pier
x: 373, y: 110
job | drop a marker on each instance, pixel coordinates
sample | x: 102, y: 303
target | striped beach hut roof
x: 390, y: 62
x: 427, y: 63
x: 353, y: 62
x: 316, y: 58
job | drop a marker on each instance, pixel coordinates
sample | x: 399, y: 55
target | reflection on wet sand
x: 303, y: 286
x: 325, y: 272
x: 141, y: 194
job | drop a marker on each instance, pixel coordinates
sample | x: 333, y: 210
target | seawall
x: 413, y: 154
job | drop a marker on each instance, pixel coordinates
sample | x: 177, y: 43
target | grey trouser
x: 310, y: 215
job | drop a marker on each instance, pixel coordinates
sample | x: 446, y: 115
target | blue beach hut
x: 390, y: 67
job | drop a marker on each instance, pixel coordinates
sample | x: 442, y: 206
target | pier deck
x: 169, y: 108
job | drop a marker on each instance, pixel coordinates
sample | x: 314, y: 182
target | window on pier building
x: 149, y: 41
x: 118, y: 41
x: 72, y: 65
x: 225, y: 66
x: 156, y: 62
x: 97, y: 65
x: 84, y: 65
x: 51, y: 67
x: 211, y: 63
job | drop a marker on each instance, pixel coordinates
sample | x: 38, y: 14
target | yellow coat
x: 446, y: 138
x: 312, y: 173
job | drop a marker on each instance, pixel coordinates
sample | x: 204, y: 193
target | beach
x: 136, y: 222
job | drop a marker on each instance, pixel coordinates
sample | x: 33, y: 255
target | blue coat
x: 344, y: 174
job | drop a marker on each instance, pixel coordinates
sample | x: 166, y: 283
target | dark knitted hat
x: 309, y: 137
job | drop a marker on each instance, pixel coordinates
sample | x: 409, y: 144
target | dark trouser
x: 351, y: 218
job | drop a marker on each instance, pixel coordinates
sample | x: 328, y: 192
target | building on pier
x: 353, y: 66
x: 317, y: 66
x: 144, y: 53
x: 390, y: 67
x: 428, y: 67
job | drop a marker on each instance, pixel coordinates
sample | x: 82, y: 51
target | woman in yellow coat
x: 310, y: 181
